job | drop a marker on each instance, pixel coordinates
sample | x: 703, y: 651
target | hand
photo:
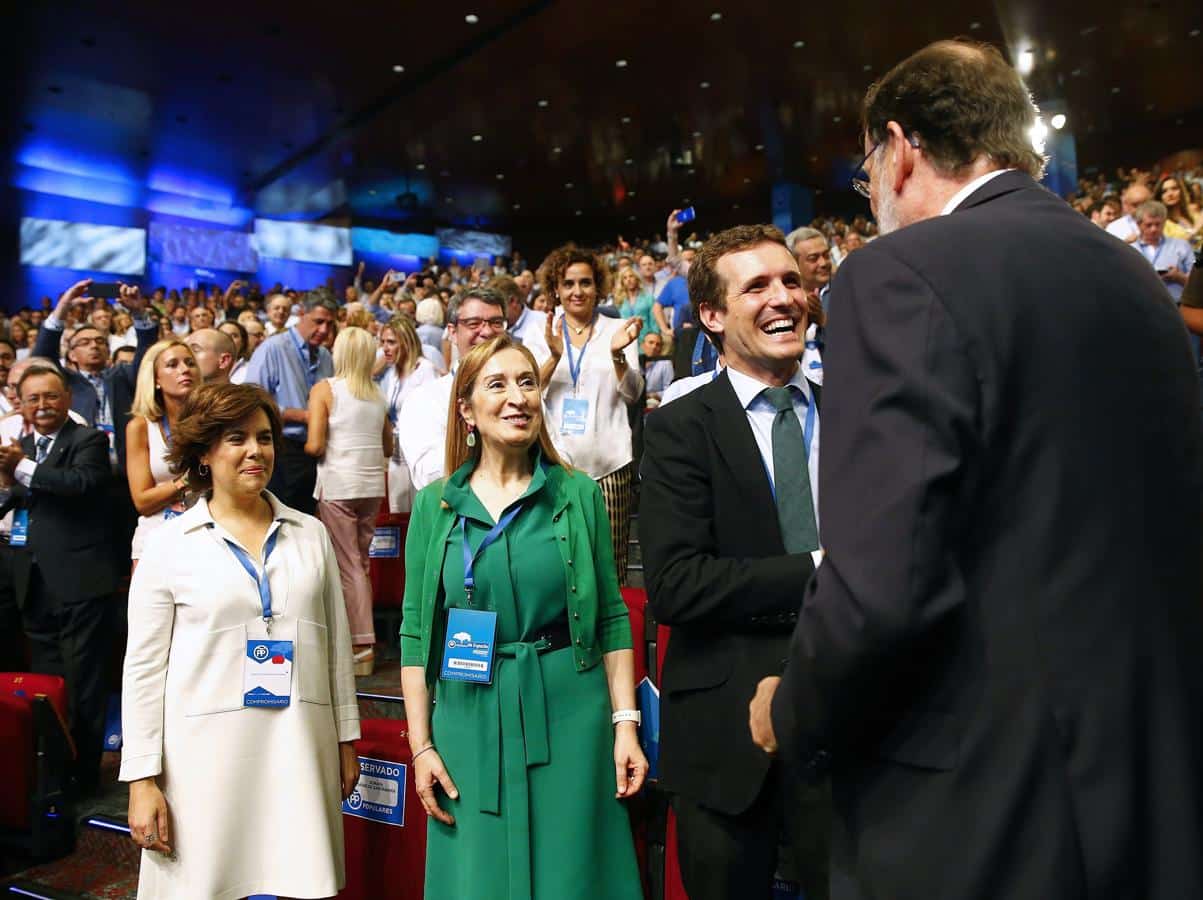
x: 673, y: 225
x: 10, y: 456
x: 76, y: 295
x: 429, y: 770
x: 1173, y: 274
x: 148, y: 816
x: 630, y: 765
x: 814, y: 309
x: 359, y: 271
x: 624, y: 336
x: 760, y: 717
x: 555, y: 340
x: 234, y: 288
x: 130, y: 296
x: 1131, y: 239
x: 348, y: 764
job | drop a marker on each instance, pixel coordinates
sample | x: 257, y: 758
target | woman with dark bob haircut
x: 238, y: 694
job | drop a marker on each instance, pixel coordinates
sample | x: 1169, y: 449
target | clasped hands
x: 10, y: 455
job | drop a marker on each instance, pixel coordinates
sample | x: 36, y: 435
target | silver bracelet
x: 420, y: 752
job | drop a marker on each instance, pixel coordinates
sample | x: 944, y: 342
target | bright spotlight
x: 1038, y: 132
x: 1058, y: 121
x: 1027, y: 61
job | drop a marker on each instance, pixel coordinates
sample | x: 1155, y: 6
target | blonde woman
x: 351, y: 436
x: 633, y: 299
x: 405, y: 368
x: 165, y: 379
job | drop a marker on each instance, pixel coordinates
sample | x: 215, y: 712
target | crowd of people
x: 231, y: 450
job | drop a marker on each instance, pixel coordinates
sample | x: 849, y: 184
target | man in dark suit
x: 1001, y: 649
x: 59, y: 562
x: 729, y: 538
x: 103, y: 394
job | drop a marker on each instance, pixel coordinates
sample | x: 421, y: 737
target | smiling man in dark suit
x: 730, y: 536
x: 63, y: 573
x: 1001, y: 649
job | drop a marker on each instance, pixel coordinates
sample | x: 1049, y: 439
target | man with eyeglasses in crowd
x: 473, y: 317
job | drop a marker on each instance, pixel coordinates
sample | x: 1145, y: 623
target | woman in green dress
x: 523, y: 768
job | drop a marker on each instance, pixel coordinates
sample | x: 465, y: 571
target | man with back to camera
x: 474, y: 316
x: 1000, y: 650
x: 287, y: 366
x: 54, y: 479
x: 730, y: 535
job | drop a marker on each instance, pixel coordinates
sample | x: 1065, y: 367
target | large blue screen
x: 80, y: 245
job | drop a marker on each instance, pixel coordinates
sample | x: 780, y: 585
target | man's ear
x: 905, y: 154
x: 713, y: 318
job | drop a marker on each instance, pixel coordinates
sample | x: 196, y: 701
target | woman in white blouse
x: 590, y: 381
x: 238, y: 702
x: 402, y: 367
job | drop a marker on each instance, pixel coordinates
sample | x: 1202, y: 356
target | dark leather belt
x: 557, y: 636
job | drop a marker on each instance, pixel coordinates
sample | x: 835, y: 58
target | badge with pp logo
x: 468, y: 650
x: 267, y: 676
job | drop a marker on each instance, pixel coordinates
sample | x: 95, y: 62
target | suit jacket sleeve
x: 47, y: 344
x: 128, y: 372
x: 88, y: 469
x: 900, y: 415
x: 689, y: 582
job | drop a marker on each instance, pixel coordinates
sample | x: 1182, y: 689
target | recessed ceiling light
x: 517, y: 206
x: 798, y: 45
x: 867, y: 67
x: 579, y: 212
x: 630, y: 193
x: 686, y: 201
x: 471, y: 18
x: 735, y: 206
x: 620, y: 63
x: 1058, y: 121
x: 716, y: 17
x: 704, y: 85
x: 501, y: 176
x: 626, y: 120
x: 1076, y: 72
x: 1115, y: 90
x: 974, y: 26
x: 421, y: 167
x: 543, y: 103
x: 697, y: 134
x: 446, y: 199
x: 688, y: 172
x: 1150, y: 107
x: 628, y: 162
x: 372, y: 193
x: 837, y: 119
x: 760, y: 146
x: 556, y: 149
x: 478, y: 138
x: 568, y: 185
x: 632, y: 218
x: 747, y: 181
x: 398, y: 69
x: 1194, y: 32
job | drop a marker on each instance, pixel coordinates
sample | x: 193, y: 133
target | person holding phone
x: 590, y: 381
x: 510, y: 578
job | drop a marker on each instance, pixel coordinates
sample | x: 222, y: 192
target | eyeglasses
x: 497, y: 323
x: 860, y: 178
x: 83, y: 342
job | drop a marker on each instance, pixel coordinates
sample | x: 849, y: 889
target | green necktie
x: 791, y: 476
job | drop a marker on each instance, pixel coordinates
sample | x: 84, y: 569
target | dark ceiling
x: 581, y: 118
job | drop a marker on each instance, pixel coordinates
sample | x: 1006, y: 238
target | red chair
x: 674, y: 888
x: 385, y: 861
x: 35, y: 753
x: 387, y: 563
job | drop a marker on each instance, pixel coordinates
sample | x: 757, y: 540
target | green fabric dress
x: 532, y: 753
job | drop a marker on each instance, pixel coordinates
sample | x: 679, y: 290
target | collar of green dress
x: 459, y: 496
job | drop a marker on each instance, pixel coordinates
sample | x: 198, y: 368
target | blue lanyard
x: 265, y: 588
x: 470, y: 558
x: 574, y: 368
x: 166, y: 431
x: 307, y: 366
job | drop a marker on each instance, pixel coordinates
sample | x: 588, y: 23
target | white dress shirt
x: 683, y: 386
x: 27, y: 466
x: 761, y: 414
x: 531, y: 330
x: 960, y: 196
x: 422, y: 430
x: 1124, y: 228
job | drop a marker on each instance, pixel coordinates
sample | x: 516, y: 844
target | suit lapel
x: 736, y: 444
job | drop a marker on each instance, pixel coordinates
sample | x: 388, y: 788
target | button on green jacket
x: 597, y: 616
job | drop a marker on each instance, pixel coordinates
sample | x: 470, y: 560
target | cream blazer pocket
x: 219, y: 671
x: 313, y: 662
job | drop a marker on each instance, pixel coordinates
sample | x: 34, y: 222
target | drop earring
x: 471, y: 439
x: 202, y: 470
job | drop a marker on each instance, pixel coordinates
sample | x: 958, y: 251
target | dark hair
x: 963, y: 101
x: 210, y: 411
x: 246, y: 340
x: 706, y: 285
x: 9, y: 343
x: 557, y: 262
x: 42, y: 369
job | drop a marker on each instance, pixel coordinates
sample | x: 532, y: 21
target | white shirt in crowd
x: 1124, y: 228
x: 13, y: 428
x: 603, y: 445
x: 422, y: 430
